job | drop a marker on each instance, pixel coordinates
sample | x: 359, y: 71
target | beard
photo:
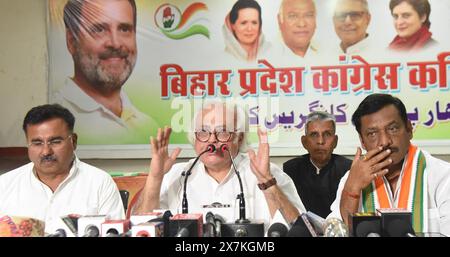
x: 105, y: 77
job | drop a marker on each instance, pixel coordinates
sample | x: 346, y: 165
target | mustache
x: 48, y: 158
x: 393, y: 149
x: 113, y: 53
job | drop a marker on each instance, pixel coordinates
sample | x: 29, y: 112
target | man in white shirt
x: 268, y: 192
x: 56, y: 183
x: 351, y: 19
x: 297, y: 22
x: 393, y: 173
x: 101, y: 37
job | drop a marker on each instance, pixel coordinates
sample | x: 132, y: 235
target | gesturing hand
x: 161, y: 161
x: 366, y: 168
x: 259, y: 163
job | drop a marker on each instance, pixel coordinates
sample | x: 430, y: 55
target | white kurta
x: 202, y: 190
x: 438, y: 173
x: 87, y: 190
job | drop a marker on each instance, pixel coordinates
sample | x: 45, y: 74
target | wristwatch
x: 269, y: 183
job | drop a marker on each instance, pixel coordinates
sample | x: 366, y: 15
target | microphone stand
x: 184, y: 203
x: 240, y: 196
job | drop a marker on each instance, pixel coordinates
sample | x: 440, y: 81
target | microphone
x: 242, y: 226
x: 91, y: 225
x: 91, y: 231
x: 165, y: 218
x: 335, y: 227
x: 68, y: 224
x: 302, y: 228
x: 362, y: 224
x: 396, y: 223
x: 210, y: 225
x: 277, y: 230
x: 186, y: 225
x: 184, y: 205
x: 114, y: 228
x: 58, y: 233
x: 218, y: 221
x: 148, y: 229
x: 242, y: 219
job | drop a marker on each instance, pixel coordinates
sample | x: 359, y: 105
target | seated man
x: 316, y: 175
x: 267, y: 190
x: 392, y: 171
x: 56, y: 183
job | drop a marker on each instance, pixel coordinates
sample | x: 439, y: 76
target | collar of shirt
x: 317, y: 168
x: 357, y: 48
x: 72, y: 172
x: 78, y: 97
x: 237, y: 160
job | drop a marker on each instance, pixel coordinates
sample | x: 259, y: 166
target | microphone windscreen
x: 224, y: 148
x: 335, y: 227
x: 277, y: 230
x: 211, y: 148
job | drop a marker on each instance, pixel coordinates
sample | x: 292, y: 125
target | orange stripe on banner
x: 193, y: 8
x: 406, y: 180
x: 383, y: 199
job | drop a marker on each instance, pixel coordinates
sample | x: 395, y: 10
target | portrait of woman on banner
x: 242, y: 31
x: 412, y: 23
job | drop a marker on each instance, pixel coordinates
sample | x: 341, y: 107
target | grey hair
x: 240, y: 116
x: 364, y: 3
x: 320, y: 116
x: 280, y: 10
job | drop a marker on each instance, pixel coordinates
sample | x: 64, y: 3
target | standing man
x: 56, y: 183
x: 101, y: 37
x: 351, y: 19
x: 393, y: 173
x: 316, y: 175
x: 297, y: 22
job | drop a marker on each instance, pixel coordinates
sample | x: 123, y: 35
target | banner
x: 125, y: 75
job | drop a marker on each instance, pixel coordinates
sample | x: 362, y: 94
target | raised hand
x: 259, y: 162
x: 366, y: 168
x: 161, y: 161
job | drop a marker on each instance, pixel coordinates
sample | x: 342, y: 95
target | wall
x: 23, y: 65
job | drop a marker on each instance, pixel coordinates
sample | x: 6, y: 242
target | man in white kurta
x: 203, y: 190
x: 87, y: 190
x: 269, y: 193
x: 438, y: 184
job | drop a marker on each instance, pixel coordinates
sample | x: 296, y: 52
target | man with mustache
x: 394, y: 173
x: 101, y: 37
x: 316, y: 175
x: 56, y: 183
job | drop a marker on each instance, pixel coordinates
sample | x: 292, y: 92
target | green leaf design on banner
x: 196, y: 29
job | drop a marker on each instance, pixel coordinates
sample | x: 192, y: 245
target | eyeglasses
x: 222, y: 136
x: 54, y: 143
x: 354, y: 16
